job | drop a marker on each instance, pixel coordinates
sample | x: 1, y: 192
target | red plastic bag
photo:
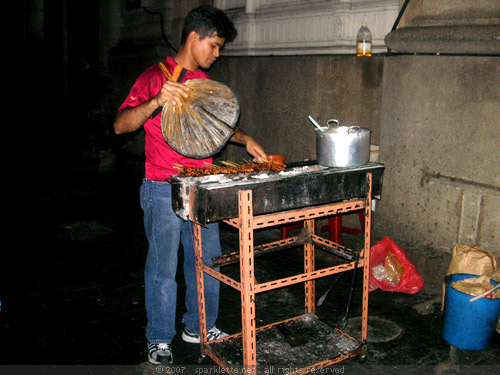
x: 390, y: 269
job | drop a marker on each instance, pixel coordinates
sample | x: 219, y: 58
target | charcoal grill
x: 266, y: 199
x: 213, y: 198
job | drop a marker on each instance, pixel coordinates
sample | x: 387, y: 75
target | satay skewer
x: 230, y: 163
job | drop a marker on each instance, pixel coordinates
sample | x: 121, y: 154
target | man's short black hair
x: 208, y: 21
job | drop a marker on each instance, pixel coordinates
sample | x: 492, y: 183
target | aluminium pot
x: 342, y: 146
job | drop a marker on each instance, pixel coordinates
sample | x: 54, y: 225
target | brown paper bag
x: 476, y: 286
x: 496, y: 277
x: 470, y: 259
x: 473, y: 260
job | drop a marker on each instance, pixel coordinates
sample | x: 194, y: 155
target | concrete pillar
x: 448, y: 27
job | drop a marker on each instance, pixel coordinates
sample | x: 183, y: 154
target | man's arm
x: 253, y: 148
x: 131, y: 119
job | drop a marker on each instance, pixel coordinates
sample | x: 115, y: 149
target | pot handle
x: 353, y: 128
x: 333, y: 121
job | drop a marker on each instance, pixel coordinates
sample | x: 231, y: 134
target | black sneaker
x: 160, y: 354
x: 213, y: 334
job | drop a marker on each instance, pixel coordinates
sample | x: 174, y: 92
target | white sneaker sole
x: 190, y: 339
x: 154, y: 362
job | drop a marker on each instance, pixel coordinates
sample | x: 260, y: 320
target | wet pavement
x: 72, y: 291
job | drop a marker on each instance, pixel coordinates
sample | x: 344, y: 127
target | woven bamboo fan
x: 204, y: 123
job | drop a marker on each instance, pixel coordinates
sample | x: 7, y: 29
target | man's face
x: 205, y: 51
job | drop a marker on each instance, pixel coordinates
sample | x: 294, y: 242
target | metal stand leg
x: 309, y: 266
x: 366, y: 258
x: 247, y: 282
x: 198, y: 251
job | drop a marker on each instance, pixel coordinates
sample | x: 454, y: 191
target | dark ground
x: 72, y: 292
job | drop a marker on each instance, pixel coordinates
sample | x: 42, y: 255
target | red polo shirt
x: 160, y: 157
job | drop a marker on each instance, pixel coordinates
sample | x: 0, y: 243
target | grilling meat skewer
x: 228, y: 168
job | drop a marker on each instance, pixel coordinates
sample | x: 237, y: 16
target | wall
x: 435, y: 118
x: 277, y: 94
x: 439, y: 140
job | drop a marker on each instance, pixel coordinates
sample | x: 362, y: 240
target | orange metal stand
x: 246, y: 222
x: 334, y: 228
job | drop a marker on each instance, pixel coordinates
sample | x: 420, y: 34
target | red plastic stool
x: 334, y: 227
x: 285, y: 230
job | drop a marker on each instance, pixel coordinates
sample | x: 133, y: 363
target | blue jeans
x: 165, y: 231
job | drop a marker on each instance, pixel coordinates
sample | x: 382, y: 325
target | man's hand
x: 171, y: 92
x: 253, y: 148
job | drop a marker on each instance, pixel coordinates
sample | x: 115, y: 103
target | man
x: 204, y: 33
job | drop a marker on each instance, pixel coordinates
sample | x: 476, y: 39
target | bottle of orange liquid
x: 364, y: 41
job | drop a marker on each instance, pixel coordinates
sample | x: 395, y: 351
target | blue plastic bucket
x: 468, y: 325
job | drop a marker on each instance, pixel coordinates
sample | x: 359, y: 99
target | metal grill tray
x: 293, y: 344
x: 212, y: 198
